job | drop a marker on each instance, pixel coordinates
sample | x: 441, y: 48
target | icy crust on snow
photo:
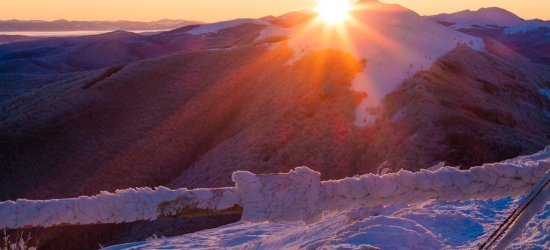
x: 215, y: 27
x: 282, y: 197
x: 395, y: 42
x: 122, y: 206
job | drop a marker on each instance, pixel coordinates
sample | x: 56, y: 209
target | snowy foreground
x: 433, y: 224
x: 430, y: 225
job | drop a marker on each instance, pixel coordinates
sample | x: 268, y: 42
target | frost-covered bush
x: 18, y: 242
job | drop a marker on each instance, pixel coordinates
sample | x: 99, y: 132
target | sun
x: 333, y: 11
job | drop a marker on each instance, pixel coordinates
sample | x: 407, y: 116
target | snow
x: 283, y: 197
x: 537, y: 232
x: 396, y: 42
x: 429, y: 225
x: 432, y: 224
x: 122, y: 206
x: 300, y: 196
x: 489, y: 18
x: 215, y: 27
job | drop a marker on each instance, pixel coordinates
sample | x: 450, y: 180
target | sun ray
x: 333, y: 11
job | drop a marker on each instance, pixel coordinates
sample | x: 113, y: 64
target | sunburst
x: 334, y: 11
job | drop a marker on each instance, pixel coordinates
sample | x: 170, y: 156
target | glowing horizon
x: 220, y: 10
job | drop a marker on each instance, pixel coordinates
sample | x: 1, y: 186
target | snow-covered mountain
x: 489, y: 18
x: 395, y: 42
x: 188, y: 107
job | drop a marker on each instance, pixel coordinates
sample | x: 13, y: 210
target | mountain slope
x: 15, y: 38
x: 469, y: 102
x: 265, y: 115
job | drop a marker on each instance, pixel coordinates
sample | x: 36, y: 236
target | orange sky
x: 217, y: 10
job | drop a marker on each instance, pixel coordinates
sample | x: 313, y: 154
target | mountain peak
x: 497, y: 12
x: 488, y: 15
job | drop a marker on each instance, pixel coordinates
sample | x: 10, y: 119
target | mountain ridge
x: 65, y: 25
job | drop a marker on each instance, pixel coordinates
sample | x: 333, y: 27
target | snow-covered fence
x: 300, y: 196
x: 296, y: 196
x: 122, y: 206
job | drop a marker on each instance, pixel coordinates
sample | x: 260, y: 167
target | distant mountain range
x: 77, y: 54
x: 489, y: 19
x: 64, y: 25
x: 187, y: 107
x: 530, y: 38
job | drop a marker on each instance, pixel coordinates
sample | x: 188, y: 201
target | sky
x: 219, y: 10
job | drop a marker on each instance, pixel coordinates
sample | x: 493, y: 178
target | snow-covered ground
x: 395, y: 41
x: 433, y: 224
x: 430, y: 225
x: 490, y: 18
